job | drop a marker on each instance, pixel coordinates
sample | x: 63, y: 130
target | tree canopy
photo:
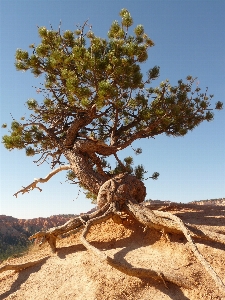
x: 95, y: 93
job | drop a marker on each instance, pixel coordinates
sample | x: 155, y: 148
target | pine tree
x: 97, y: 102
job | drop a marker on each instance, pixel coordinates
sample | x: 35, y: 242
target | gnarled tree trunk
x: 82, y: 166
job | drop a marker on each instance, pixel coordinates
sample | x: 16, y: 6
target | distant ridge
x: 14, y: 232
x: 219, y: 201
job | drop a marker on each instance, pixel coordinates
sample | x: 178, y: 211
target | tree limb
x: 33, y: 185
x: 113, y: 134
x: 78, y: 123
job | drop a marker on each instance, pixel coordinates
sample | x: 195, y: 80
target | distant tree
x: 96, y: 103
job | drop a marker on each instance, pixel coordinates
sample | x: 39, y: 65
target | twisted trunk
x: 82, y: 165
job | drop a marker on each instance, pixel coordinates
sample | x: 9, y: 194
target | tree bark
x: 82, y: 166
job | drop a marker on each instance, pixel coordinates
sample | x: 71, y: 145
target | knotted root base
x: 120, y: 196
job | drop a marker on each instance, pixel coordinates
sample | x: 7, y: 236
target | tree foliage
x: 93, y: 90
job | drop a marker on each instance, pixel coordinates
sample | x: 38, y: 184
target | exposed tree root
x: 205, y: 234
x: 143, y: 216
x: 165, y: 221
x: 72, y: 226
x: 22, y: 266
x: 153, y: 219
x: 122, y: 195
x: 131, y: 271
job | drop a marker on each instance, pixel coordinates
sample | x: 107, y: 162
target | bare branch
x: 42, y: 158
x: 33, y: 185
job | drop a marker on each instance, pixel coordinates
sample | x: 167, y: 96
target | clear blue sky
x: 189, y: 39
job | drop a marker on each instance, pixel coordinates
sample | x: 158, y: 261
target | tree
x: 96, y: 103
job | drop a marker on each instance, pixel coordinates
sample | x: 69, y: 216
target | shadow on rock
x: 204, y: 215
x: 64, y: 251
x: 22, y: 277
x: 172, y: 290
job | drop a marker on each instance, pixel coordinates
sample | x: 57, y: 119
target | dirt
x: 74, y: 273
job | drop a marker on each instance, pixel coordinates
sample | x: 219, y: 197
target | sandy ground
x: 74, y: 273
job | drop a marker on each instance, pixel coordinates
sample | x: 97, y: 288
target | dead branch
x: 33, y: 185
